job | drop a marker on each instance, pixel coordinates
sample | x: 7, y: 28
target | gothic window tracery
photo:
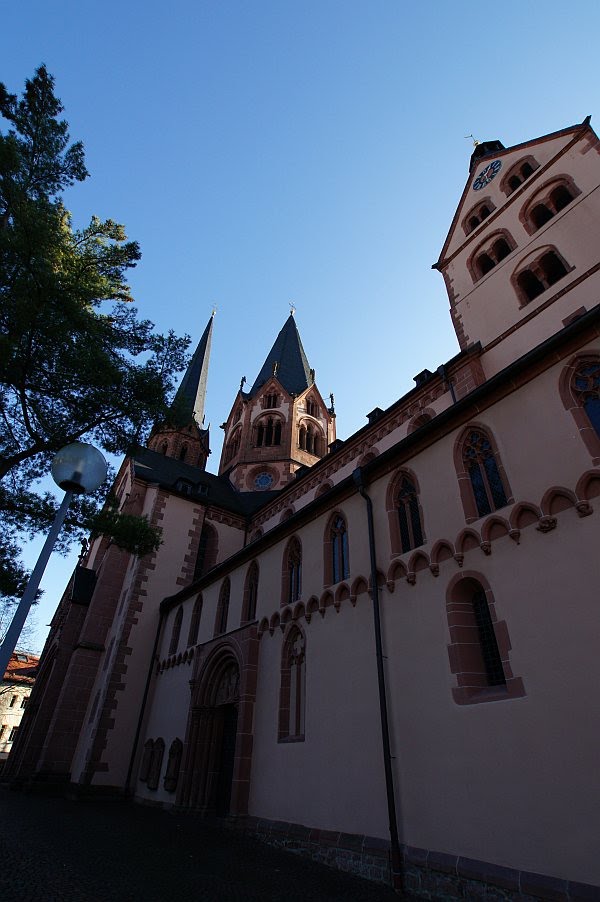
x: 409, y: 515
x: 338, y: 544
x: 585, y: 386
x: 292, y: 572
x: 483, y: 472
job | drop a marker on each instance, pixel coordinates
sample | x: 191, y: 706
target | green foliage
x: 133, y: 534
x: 76, y: 361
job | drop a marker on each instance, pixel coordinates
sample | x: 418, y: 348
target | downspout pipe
x: 396, y: 854
x: 138, y: 728
x: 444, y: 377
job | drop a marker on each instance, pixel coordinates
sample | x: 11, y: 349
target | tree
x: 76, y: 361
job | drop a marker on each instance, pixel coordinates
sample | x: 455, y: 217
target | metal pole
x: 396, y: 852
x: 18, y: 621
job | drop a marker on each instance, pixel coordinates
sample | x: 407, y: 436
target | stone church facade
x: 381, y: 651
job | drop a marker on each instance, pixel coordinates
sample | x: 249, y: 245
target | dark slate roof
x: 204, y: 487
x: 191, y: 394
x: 293, y: 371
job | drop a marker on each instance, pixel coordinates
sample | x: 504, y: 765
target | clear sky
x: 310, y: 152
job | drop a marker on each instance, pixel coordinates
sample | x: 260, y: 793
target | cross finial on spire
x: 292, y: 307
x: 214, y: 310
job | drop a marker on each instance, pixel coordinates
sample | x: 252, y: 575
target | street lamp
x: 77, y: 468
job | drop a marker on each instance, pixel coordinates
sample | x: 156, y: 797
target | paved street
x: 53, y: 850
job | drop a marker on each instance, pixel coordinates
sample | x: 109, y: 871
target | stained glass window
x: 482, y: 468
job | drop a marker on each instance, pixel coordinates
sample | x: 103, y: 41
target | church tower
x: 183, y: 436
x: 521, y: 258
x: 281, y: 423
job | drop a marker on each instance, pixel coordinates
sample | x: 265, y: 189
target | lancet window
x: 292, y: 572
x: 483, y: 471
x: 292, y: 693
x: 223, y: 608
x: 176, y: 631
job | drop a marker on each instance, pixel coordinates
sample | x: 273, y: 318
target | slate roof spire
x: 287, y: 362
x: 191, y: 394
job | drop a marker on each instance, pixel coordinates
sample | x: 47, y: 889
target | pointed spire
x: 191, y: 394
x: 287, y: 362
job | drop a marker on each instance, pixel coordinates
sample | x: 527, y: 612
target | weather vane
x: 214, y: 309
x: 473, y: 139
x: 292, y: 307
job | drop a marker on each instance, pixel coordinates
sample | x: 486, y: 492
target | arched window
x: 164, y: 447
x: 311, y: 408
x: 183, y: 452
x: 491, y: 252
x: 146, y: 760
x: 302, y: 438
x: 549, y: 200
x: 176, y: 631
x: 250, y: 593
x: 337, y: 564
x: 233, y: 445
x: 271, y: 400
x: 292, y: 692
x: 586, y: 389
x: 173, y: 765
x: 481, y: 466
x: 268, y: 432
x: 156, y: 764
x: 409, y: 515
x: 476, y: 215
x: 292, y: 572
x: 223, y: 608
x: 405, y: 516
x: 479, y: 644
x: 518, y: 174
x: 207, y: 551
x: 580, y: 393
x: 539, y: 275
x: 195, y: 622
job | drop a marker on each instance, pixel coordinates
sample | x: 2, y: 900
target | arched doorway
x: 212, y: 739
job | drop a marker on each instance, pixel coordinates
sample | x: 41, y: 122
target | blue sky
x: 311, y: 152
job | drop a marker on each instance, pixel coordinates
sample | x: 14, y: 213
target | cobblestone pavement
x: 54, y: 850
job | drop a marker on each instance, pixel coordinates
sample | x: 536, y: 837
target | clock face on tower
x: 263, y: 481
x: 486, y: 175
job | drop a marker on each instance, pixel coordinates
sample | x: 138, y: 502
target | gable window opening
x: 484, y: 262
x: 271, y: 400
x: 477, y: 216
x: 520, y: 174
x: 540, y: 275
x: 548, y: 206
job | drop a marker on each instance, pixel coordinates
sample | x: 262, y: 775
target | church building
x: 381, y: 651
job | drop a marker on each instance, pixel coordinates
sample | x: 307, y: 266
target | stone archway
x: 215, y: 778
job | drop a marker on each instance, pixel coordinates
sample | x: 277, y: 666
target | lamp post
x: 77, y: 468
